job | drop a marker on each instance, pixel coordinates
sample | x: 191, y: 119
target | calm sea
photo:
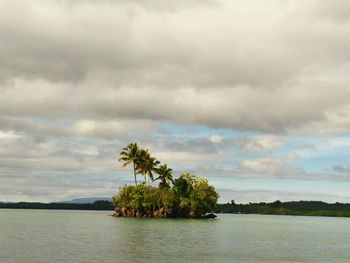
x: 85, y: 236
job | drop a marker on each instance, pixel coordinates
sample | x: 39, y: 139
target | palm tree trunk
x: 135, y: 173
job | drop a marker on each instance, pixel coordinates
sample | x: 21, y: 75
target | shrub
x: 195, y: 194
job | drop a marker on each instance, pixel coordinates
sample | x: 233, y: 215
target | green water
x: 85, y: 236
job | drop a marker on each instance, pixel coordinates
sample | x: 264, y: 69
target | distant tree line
x: 306, y: 208
x: 97, y: 205
x: 302, y: 208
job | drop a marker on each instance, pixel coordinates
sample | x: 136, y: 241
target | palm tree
x: 146, y: 164
x: 165, y: 176
x: 130, y: 154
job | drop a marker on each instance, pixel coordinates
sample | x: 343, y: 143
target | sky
x: 254, y: 95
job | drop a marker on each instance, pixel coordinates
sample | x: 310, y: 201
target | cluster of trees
x: 306, y: 208
x: 186, y: 196
x: 145, y: 164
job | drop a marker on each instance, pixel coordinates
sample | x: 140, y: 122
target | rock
x: 157, y: 213
x: 133, y: 212
x: 210, y: 215
x: 162, y: 212
x: 116, y: 213
x: 124, y: 211
x: 168, y: 212
x: 139, y: 213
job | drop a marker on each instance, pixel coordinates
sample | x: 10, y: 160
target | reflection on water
x: 85, y: 236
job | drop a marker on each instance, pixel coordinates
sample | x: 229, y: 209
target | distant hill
x: 87, y: 200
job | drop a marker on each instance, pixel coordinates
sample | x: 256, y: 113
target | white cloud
x: 262, y: 143
x: 215, y: 138
x: 272, y: 167
x: 271, y: 73
x: 7, y: 135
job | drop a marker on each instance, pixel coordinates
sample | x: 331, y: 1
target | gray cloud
x: 80, y: 79
x: 286, y: 71
x: 198, y: 145
x: 341, y: 169
x: 261, y: 143
x: 58, y: 186
x: 330, y: 10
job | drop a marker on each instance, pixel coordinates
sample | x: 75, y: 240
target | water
x: 85, y: 236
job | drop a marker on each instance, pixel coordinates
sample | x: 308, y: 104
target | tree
x: 130, y: 154
x: 165, y: 176
x: 197, y: 197
x: 146, y: 165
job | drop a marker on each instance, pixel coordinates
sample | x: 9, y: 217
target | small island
x: 188, y: 196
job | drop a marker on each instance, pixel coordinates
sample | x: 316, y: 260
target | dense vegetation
x: 98, y: 205
x: 305, y: 208
x: 187, y: 196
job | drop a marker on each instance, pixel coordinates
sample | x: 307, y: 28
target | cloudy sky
x: 252, y: 94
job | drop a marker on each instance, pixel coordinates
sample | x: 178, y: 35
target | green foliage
x: 143, y: 162
x: 146, y: 164
x: 195, y: 194
x: 167, y: 198
x: 191, y: 196
x: 130, y: 155
x: 165, y: 176
x: 302, y: 208
x: 144, y: 198
x: 131, y: 196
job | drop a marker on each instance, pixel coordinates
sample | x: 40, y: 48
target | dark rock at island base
x: 156, y: 213
x: 117, y: 214
x: 163, y: 212
x: 159, y: 213
x: 169, y: 212
x: 139, y: 214
x: 210, y: 215
x: 124, y: 211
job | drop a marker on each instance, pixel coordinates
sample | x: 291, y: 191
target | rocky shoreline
x: 159, y: 213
